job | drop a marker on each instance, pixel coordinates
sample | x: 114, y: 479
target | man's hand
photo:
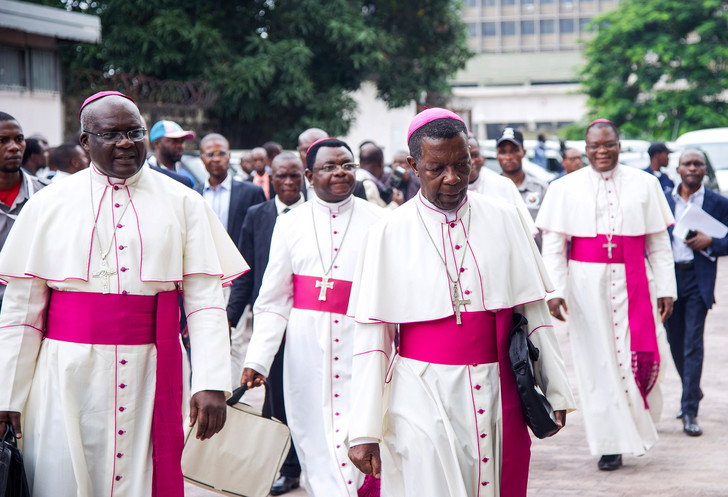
x: 560, y: 418
x: 397, y: 196
x: 555, y: 306
x: 208, y: 408
x: 664, y: 305
x: 252, y: 378
x: 13, y: 418
x: 366, y: 458
x: 699, y: 242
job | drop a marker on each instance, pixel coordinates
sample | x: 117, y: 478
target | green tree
x: 279, y: 67
x: 657, y: 68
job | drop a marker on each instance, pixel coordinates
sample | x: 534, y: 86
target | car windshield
x: 717, y: 153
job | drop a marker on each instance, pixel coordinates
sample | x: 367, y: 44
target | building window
x: 472, y: 29
x: 508, y: 28
x: 43, y: 70
x: 508, y: 2
x: 471, y: 3
x: 584, y: 24
x: 488, y: 29
x: 547, y: 26
x: 566, y: 25
x: 528, y: 27
x: 12, y: 67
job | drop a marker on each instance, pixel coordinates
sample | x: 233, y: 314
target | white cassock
x: 494, y: 185
x: 441, y: 425
x: 318, y: 353
x: 628, y: 202
x: 88, y: 408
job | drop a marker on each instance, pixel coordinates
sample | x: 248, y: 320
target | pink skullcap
x: 319, y: 141
x: 597, y: 121
x: 99, y: 95
x: 429, y: 115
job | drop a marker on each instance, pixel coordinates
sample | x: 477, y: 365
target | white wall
x: 37, y: 112
x: 375, y: 122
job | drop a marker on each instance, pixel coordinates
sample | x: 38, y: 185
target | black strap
x: 238, y: 394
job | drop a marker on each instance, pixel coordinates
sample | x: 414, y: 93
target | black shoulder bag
x: 536, y: 409
x: 13, y: 482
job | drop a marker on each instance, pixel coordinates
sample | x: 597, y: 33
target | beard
x: 6, y: 168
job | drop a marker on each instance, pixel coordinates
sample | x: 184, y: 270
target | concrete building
x: 30, y: 69
x: 525, y: 71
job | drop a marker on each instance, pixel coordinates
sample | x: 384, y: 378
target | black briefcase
x: 536, y: 409
x: 13, y: 482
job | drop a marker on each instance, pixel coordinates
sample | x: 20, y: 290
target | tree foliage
x: 280, y: 66
x: 658, y: 68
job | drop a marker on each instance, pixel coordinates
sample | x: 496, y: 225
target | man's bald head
x: 307, y: 138
x: 287, y: 177
x: 214, y: 137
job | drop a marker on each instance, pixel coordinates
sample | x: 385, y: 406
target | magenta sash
x: 305, y: 295
x: 112, y: 319
x: 482, y: 338
x: 630, y: 251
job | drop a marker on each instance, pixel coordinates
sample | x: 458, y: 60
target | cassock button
x: 336, y: 414
x: 336, y: 267
x: 477, y: 387
x: 349, y: 482
x: 121, y: 432
x: 118, y: 478
x: 122, y: 386
x: 333, y: 215
x: 123, y: 361
x: 336, y: 250
x: 338, y: 446
x: 336, y: 320
x: 124, y: 292
x: 482, y: 435
x: 336, y: 358
x: 480, y: 411
x: 343, y: 464
x: 122, y: 247
x: 452, y: 225
x: 485, y: 459
x: 336, y: 376
x: 336, y: 395
x: 117, y: 204
x: 119, y: 455
x: 336, y: 232
x: 467, y: 292
x: 119, y: 225
x: 484, y: 483
x: 336, y: 340
x: 457, y: 247
x: 117, y: 187
x: 122, y: 409
x: 126, y: 269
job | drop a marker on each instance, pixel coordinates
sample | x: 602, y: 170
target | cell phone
x: 690, y: 234
x: 396, y: 177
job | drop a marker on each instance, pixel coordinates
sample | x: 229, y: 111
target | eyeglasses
x: 219, y: 153
x: 608, y: 146
x: 330, y: 168
x: 111, y: 137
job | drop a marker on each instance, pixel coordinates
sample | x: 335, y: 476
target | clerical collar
x: 605, y: 174
x: 280, y: 206
x: 435, y: 212
x: 334, y: 207
x: 99, y: 177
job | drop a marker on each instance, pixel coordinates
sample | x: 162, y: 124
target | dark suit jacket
x: 182, y: 179
x: 665, y: 182
x: 717, y: 206
x: 243, y: 195
x: 254, y: 244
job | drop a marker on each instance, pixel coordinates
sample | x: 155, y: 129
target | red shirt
x: 8, y: 196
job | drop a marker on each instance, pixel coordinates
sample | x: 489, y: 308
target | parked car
x: 714, y: 143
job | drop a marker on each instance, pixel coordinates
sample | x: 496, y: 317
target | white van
x: 714, y: 143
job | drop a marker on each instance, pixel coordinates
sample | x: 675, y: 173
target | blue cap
x: 169, y: 129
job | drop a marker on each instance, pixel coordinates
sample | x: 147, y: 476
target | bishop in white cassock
x: 449, y: 268
x: 305, y: 292
x: 89, y: 332
x: 599, y: 223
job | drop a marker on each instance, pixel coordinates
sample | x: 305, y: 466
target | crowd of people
x: 382, y: 296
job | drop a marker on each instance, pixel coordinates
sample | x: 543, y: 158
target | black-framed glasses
x: 217, y: 153
x: 607, y: 146
x: 111, y: 137
x: 330, y: 168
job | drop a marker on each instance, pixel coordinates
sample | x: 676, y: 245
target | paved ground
x: 678, y: 465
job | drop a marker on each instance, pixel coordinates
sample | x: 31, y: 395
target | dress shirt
x: 281, y: 207
x: 681, y: 252
x: 218, y: 197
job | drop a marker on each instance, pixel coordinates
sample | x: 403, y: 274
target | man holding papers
x: 698, y: 238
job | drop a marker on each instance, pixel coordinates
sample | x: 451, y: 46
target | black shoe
x: 610, y: 462
x: 284, y: 484
x: 679, y: 415
x: 691, y: 426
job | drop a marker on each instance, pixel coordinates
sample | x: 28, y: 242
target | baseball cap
x: 169, y: 129
x: 511, y: 135
x: 657, y: 148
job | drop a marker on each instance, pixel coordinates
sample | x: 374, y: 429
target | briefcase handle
x: 238, y: 394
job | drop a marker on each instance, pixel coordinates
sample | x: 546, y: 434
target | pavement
x: 677, y: 466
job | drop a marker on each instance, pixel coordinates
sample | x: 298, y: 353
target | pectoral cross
x: 105, y: 272
x: 609, y: 246
x: 324, y: 284
x: 456, y: 302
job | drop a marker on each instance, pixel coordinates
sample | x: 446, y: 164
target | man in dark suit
x: 230, y: 199
x: 254, y: 244
x: 695, y: 269
x: 659, y: 158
